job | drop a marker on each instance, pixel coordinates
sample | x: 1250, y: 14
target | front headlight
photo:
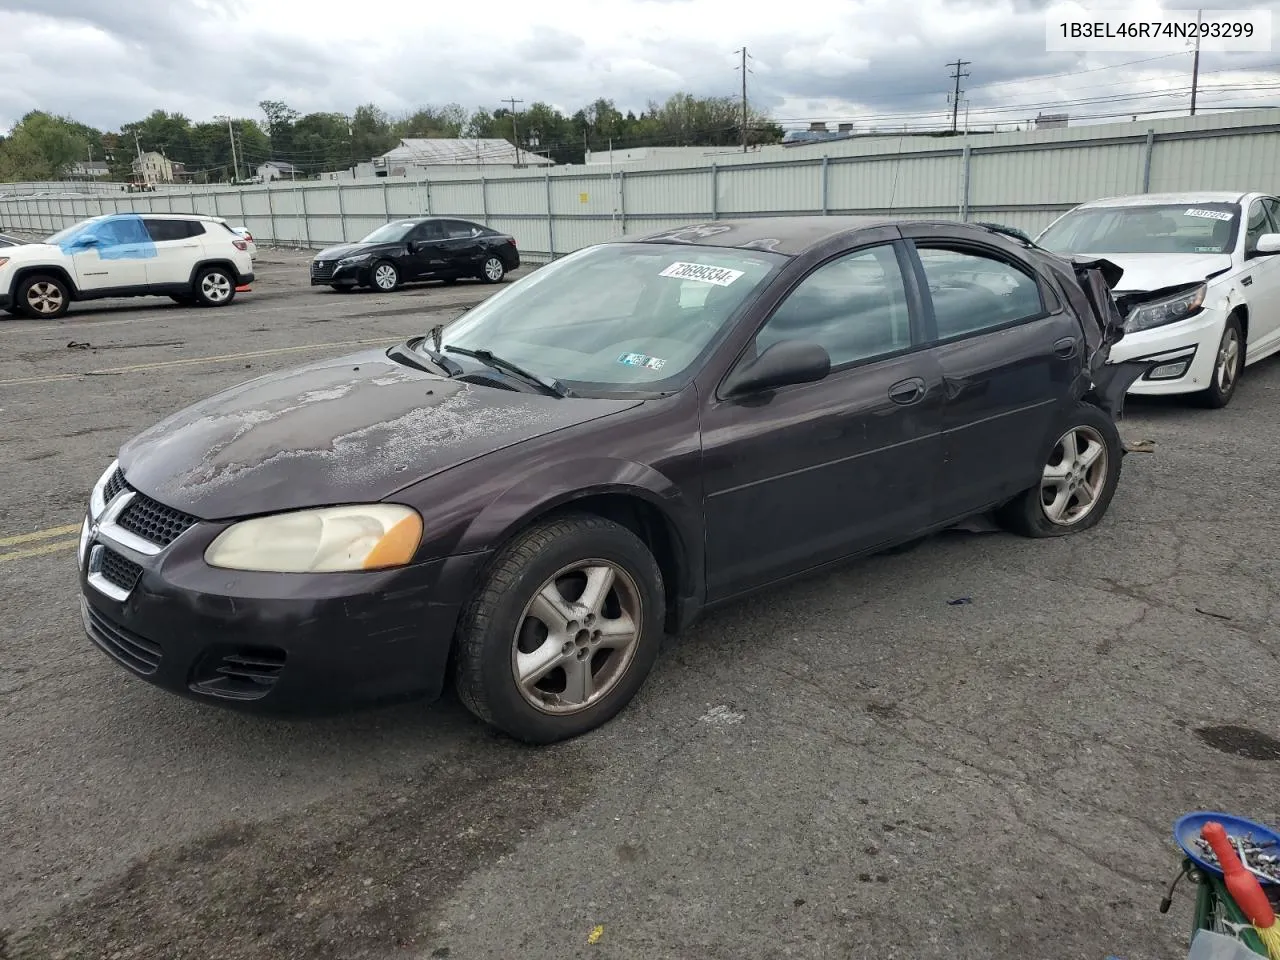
x: 331, y: 539
x: 350, y: 261
x: 1172, y: 310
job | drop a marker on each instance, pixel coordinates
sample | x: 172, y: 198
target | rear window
x: 162, y: 230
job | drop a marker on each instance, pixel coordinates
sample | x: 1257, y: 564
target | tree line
x: 42, y: 146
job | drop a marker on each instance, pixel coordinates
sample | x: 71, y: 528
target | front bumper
x: 289, y: 643
x: 1193, y: 342
x: 356, y: 274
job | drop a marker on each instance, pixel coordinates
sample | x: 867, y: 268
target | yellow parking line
x: 40, y: 551
x: 48, y: 534
x: 188, y: 361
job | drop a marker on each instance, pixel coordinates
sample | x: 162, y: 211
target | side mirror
x: 85, y: 243
x: 1268, y: 243
x: 785, y: 363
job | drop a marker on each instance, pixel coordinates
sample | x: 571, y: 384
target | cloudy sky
x: 882, y: 61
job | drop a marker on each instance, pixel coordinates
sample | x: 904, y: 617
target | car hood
x: 353, y: 429
x: 31, y: 251
x: 1156, y: 271
x: 344, y: 250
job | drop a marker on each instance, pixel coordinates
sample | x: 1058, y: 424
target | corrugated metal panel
x: 460, y: 199
x: 684, y: 194
x: 1241, y: 163
x: 528, y: 197
x: 768, y: 189
x: 894, y: 183
x: 1055, y: 176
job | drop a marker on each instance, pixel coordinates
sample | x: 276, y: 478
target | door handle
x: 1065, y: 347
x: 907, y: 391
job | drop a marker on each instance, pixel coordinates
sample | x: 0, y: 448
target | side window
x: 972, y: 292
x: 854, y: 306
x: 195, y: 228
x: 1273, y: 210
x: 162, y: 230
x: 430, y: 230
x: 1259, y: 223
x: 459, y: 230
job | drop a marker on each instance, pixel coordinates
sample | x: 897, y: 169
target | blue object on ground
x: 1187, y: 830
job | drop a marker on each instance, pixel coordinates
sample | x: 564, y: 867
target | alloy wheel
x: 45, y: 298
x: 577, y: 637
x: 216, y: 287
x: 385, y: 276
x: 493, y: 268
x: 1228, y: 366
x: 1074, y: 477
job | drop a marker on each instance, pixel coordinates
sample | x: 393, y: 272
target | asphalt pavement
x: 972, y: 749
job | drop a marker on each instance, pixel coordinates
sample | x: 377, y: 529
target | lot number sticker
x: 641, y: 360
x: 1208, y: 214
x: 720, y: 276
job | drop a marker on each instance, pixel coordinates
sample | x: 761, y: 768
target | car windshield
x: 390, y: 233
x: 617, y: 317
x: 1167, y: 228
x: 66, y: 233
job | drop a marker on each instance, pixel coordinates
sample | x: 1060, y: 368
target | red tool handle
x: 1243, y: 886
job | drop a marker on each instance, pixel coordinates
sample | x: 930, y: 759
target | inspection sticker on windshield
x: 720, y: 276
x: 640, y: 360
x: 1208, y: 214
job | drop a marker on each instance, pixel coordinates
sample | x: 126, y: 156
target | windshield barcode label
x: 1208, y: 214
x: 720, y: 276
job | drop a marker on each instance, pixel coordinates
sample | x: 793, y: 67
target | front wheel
x: 1228, y: 364
x: 385, y: 276
x: 493, y: 270
x: 563, y: 632
x: 43, y: 297
x: 1077, y: 481
x: 214, y: 287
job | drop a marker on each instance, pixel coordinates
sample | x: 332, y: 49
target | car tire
x: 1228, y: 365
x: 214, y: 287
x: 43, y: 297
x: 1084, y: 460
x: 493, y: 270
x: 508, y: 618
x: 384, y: 277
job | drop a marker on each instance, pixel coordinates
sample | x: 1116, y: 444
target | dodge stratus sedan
x: 525, y: 501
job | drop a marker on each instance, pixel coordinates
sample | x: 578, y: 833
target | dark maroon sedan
x: 529, y: 498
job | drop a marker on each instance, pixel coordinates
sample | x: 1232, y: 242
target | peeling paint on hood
x: 347, y: 430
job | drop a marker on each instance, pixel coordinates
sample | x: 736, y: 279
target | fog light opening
x: 1170, y: 371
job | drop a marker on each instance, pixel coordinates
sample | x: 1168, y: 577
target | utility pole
x: 1195, y: 63
x: 515, y: 132
x: 744, y: 69
x: 231, y: 134
x: 955, y: 99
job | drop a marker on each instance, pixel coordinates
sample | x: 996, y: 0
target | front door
x: 462, y: 248
x: 178, y: 248
x: 1010, y: 355
x: 808, y: 474
x: 112, y: 255
x: 1262, y: 274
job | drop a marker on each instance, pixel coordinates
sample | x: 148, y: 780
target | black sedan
x: 425, y: 248
x: 528, y: 499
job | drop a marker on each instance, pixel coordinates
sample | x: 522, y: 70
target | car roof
x: 792, y: 236
x: 1162, y: 199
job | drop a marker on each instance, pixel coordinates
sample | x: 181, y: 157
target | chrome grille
x: 322, y: 269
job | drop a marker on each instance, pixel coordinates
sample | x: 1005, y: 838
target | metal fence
x: 1022, y: 180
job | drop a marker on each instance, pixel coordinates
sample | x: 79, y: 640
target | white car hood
x: 30, y: 251
x: 1154, y: 271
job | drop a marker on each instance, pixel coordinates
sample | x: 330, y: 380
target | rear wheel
x: 1077, y: 481
x: 1228, y: 364
x: 43, y: 297
x: 214, y: 287
x: 563, y: 632
x: 493, y: 270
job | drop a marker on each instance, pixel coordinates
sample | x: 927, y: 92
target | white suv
x: 190, y: 258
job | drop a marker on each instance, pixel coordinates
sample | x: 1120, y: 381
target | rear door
x: 178, y: 247
x: 463, y: 246
x: 426, y: 256
x: 814, y: 472
x: 1010, y: 355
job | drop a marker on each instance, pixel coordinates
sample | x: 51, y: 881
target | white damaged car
x: 1201, y: 285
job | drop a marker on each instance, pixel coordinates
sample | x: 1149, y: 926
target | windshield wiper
x: 409, y: 351
x: 488, y: 357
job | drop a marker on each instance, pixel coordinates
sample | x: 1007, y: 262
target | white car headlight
x: 1172, y: 310
x: 331, y: 539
